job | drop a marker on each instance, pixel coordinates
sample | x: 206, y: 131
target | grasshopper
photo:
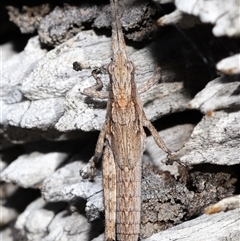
x: 122, y: 139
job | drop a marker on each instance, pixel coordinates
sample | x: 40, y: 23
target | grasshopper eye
x: 111, y: 67
x: 130, y: 66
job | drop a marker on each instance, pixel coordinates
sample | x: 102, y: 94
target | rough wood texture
x: 205, y: 227
x: 221, y: 131
x: 53, y: 79
x: 25, y: 169
x: 224, y: 15
x: 41, y: 101
x: 225, y: 204
x: 178, y: 18
x: 229, y: 65
x: 28, y: 18
x: 63, y: 22
x: 39, y: 222
x: 64, y: 185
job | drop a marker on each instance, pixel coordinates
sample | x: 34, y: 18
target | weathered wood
x: 178, y: 18
x: 225, y: 204
x: 224, y: 15
x: 205, y: 227
x: 40, y: 222
x: 221, y: 131
x: 40, y: 91
x: 30, y: 170
x: 229, y: 65
x: 54, y: 80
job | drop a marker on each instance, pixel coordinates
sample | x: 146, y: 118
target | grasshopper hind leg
x: 109, y: 189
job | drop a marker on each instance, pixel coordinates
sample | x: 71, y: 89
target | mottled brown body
x: 122, y: 140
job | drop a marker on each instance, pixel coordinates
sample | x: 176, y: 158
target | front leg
x: 156, y: 136
x: 95, y: 90
x: 89, y: 170
x: 153, y: 80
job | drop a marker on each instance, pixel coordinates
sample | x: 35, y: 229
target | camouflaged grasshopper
x: 121, y: 140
